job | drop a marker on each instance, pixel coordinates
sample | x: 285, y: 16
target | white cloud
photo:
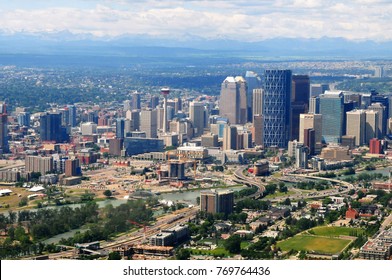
x: 239, y: 20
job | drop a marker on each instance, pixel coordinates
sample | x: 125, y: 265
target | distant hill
x: 144, y: 45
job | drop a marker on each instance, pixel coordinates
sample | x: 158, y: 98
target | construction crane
x: 141, y: 225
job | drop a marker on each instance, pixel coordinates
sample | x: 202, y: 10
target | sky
x: 240, y: 20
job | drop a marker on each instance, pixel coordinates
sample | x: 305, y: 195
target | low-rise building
x: 336, y: 153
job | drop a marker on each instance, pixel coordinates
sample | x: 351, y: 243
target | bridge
x: 241, y: 178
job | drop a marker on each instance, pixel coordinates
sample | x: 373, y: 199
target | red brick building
x: 352, y: 214
x: 375, y: 146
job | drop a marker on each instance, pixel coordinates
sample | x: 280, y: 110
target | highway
x: 241, y: 178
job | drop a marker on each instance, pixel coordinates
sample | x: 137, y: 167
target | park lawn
x: 13, y: 199
x: 336, y: 231
x: 216, y: 252
x: 317, y: 244
x: 244, y: 244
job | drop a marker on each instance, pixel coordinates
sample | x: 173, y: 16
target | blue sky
x: 244, y: 20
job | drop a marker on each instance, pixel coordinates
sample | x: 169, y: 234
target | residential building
x: 72, y: 167
x: 213, y: 201
x: 39, y: 164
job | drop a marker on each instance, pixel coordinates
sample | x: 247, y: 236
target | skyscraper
x: 332, y: 111
x: 64, y: 116
x: 3, y: 128
x: 233, y: 100
x: 253, y: 82
x: 134, y: 116
x: 257, y: 102
x: 230, y: 138
x: 51, y: 129
x: 154, y: 101
x: 165, y: 92
x: 120, y: 128
x: 382, y: 119
x: 148, y: 122
x: 356, y: 124
x: 135, y: 101
x: 196, y: 115
x: 311, y: 121
x: 276, y: 107
x: 317, y: 89
x: 127, y: 105
x: 314, y: 105
x: 24, y: 119
x: 72, y: 115
x: 258, y: 130
x: 372, y: 121
x: 243, y: 88
x: 300, y: 94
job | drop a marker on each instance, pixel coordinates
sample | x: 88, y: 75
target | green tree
x: 107, y: 193
x: 183, y: 254
x: 23, y: 202
x: 233, y: 244
x: 360, y: 194
x: 114, y: 256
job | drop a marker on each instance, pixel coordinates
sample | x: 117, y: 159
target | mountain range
x: 144, y: 45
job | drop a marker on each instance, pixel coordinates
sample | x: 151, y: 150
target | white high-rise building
x: 372, y: 121
x: 148, y: 122
x: 257, y: 102
x: 356, y: 125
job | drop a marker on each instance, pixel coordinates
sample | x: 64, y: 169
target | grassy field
x: 13, y: 199
x: 216, y: 252
x: 336, y: 231
x: 317, y: 244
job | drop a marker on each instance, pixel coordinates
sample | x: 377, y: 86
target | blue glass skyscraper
x: 332, y: 111
x: 72, y: 115
x: 276, y: 107
x: 120, y: 128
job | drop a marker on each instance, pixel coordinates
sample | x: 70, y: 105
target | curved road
x: 241, y: 178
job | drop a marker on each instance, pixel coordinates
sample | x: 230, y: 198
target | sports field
x: 316, y: 244
x: 336, y: 231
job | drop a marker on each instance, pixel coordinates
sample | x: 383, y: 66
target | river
x: 184, y: 196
